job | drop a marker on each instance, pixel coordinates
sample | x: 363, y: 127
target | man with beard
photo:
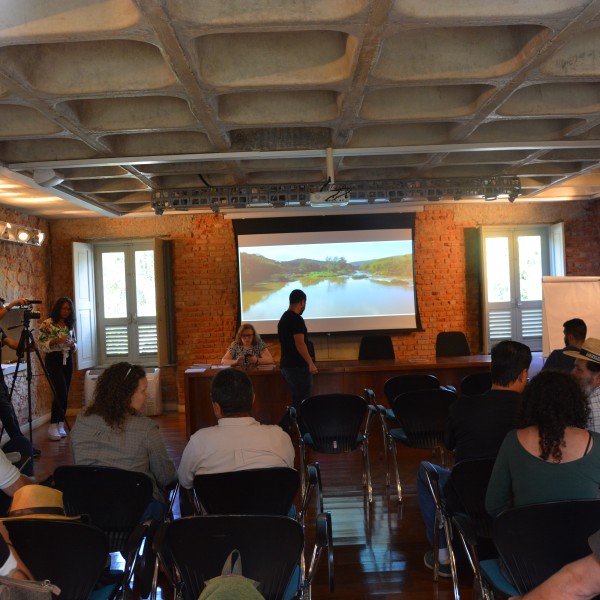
x: 587, y: 373
x: 297, y: 366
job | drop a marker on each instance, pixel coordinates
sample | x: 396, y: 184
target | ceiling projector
x: 329, y: 198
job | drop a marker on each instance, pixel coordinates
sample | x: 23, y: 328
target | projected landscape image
x: 358, y: 279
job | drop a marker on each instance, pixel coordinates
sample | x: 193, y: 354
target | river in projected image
x: 330, y: 297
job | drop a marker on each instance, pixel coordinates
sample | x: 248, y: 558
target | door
x: 515, y: 259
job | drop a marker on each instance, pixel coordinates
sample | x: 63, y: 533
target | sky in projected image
x: 341, y: 280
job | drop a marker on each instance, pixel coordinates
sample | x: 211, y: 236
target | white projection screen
x: 357, y: 273
x: 565, y: 298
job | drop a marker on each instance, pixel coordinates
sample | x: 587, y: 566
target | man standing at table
x: 297, y: 367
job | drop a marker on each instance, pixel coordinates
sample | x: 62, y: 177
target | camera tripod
x: 25, y: 347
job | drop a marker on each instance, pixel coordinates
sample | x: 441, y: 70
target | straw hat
x: 590, y: 351
x: 37, y: 502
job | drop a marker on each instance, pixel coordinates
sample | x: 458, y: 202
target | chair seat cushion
x: 493, y: 573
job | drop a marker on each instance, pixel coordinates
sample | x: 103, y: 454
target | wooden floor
x: 378, y: 549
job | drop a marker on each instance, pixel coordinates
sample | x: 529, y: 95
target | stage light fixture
x: 21, y: 234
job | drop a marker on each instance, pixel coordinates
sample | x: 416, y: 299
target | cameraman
x: 7, y: 411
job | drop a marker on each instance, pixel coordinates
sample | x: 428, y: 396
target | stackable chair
x: 376, y: 347
x: 469, y: 480
x: 452, y: 343
x: 537, y: 540
x: 476, y: 383
x: 269, y: 491
x: 334, y: 424
x: 442, y: 523
x: 473, y: 524
x: 392, y: 388
x: 114, y: 500
x: 422, y: 416
x: 69, y: 554
x: 271, y: 547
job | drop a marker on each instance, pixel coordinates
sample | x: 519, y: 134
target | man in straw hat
x: 587, y: 373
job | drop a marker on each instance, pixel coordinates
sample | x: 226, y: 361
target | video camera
x: 29, y: 313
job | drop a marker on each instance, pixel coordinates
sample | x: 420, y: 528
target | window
x: 122, y: 294
x: 126, y: 302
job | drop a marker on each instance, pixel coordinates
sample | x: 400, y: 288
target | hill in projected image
x: 341, y: 280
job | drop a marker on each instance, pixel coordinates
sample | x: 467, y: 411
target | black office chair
x: 476, y: 383
x: 452, y: 343
x: 442, y: 523
x: 250, y: 492
x: 269, y: 491
x: 69, y: 554
x: 423, y: 416
x: 465, y: 501
x: 114, y: 500
x: 376, y: 347
x: 270, y: 546
x: 537, y: 540
x: 335, y: 424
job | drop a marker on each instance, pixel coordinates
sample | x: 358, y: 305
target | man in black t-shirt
x: 476, y: 428
x: 297, y: 366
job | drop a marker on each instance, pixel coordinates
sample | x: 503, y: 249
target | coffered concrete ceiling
x: 123, y: 98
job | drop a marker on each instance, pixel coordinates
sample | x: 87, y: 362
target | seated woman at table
x: 550, y: 456
x: 247, y: 349
x: 113, y: 432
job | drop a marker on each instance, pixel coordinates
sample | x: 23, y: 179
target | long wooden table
x: 352, y: 376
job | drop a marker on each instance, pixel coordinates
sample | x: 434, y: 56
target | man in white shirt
x: 587, y: 373
x: 238, y: 442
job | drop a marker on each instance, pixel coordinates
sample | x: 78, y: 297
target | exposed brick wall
x: 205, y: 278
x: 25, y: 272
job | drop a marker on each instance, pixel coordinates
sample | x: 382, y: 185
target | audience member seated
x: 11, y: 480
x: 587, y: 372
x: 579, y: 580
x: 476, y: 428
x: 238, y: 441
x: 247, y: 349
x: 550, y: 456
x: 112, y: 432
x: 11, y: 564
x: 574, y: 331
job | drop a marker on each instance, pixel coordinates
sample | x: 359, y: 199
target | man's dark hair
x: 297, y: 296
x: 232, y: 390
x: 577, y: 328
x: 509, y: 358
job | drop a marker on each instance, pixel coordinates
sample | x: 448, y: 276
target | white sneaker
x: 61, y: 429
x: 53, y: 433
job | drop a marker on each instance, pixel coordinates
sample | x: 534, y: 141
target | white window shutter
x: 85, y: 305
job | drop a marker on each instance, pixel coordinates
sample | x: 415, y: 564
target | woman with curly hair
x: 57, y: 340
x: 550, y: 456
x: 112, y: 432
x: 247, y: 348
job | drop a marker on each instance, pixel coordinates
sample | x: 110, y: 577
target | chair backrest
x: 373, y: 347
x: 469, y: 480
x: 452, y: 343
x: 270, y: 548
x: 476, y: 383
x: 400, y: 384
x: 251, y: 492
x: 537, y: 540
x: 333, y: 421
x: 423, y: 415
x: 70, y: 554
x: 114, y: 499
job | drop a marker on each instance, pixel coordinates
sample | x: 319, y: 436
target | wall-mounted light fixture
x: 21, y: 234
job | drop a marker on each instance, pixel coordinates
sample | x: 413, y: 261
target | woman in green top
x: 550, y: 456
